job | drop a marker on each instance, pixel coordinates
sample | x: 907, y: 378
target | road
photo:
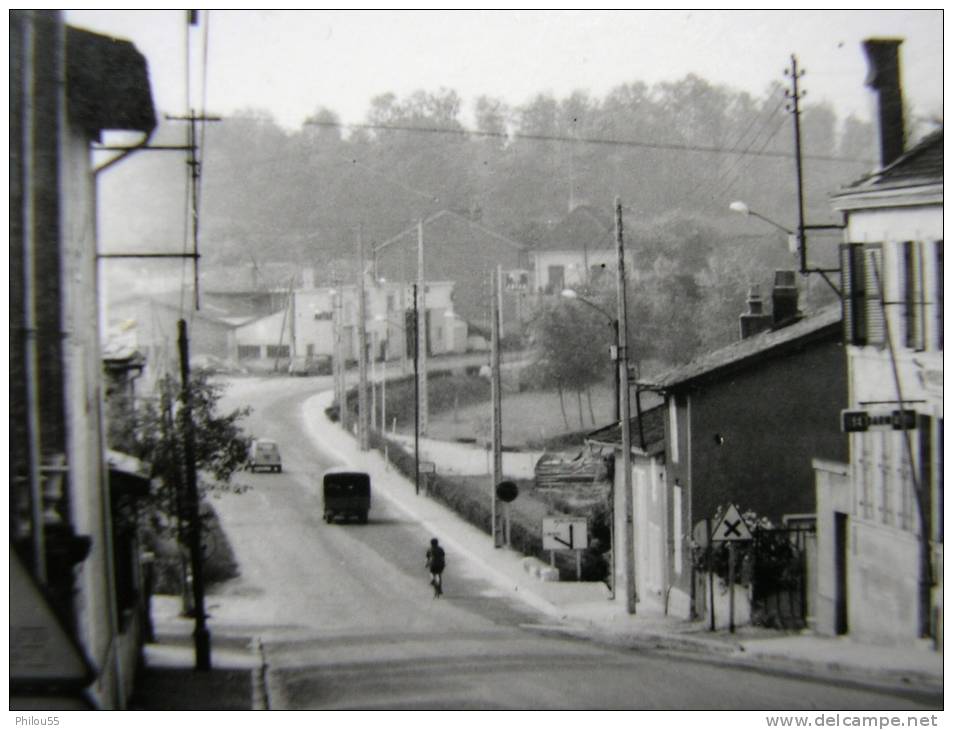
x: 347, y: 620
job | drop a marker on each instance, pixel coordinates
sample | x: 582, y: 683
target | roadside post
x: 566, y: 533
x: 731, y: 529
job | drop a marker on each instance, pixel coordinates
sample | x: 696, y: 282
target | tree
x: 572, y: 341
x: 154, y: 434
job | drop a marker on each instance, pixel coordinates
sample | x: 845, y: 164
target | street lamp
x: 797, y: 241
x: 614, y: 323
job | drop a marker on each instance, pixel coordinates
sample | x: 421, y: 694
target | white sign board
x: 732, y: 527
x: 564, y: 533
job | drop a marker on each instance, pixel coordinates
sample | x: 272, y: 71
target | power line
x: 462, y: 132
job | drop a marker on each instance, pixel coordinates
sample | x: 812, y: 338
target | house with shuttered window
x: 880, y: 529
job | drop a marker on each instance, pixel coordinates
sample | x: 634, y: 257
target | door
x: 840, y: 573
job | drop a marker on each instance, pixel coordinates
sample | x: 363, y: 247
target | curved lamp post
x: 797, y: 240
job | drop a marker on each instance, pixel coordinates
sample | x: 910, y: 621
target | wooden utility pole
x: 416, y: 327
x: 362, y: 421
x: 630, y: 596
x: 203, y: 654
x: 340, y: 371
x: 422, y: 328
x: 495, y: 387
x: 195, y: 172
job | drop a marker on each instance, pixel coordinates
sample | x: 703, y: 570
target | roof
x: 444, y: 214
x: 107, y: 84
x: 920, y: 165
x: 765, y: 344
x: 172, y: 300
x: 584, y: 227
x: 651, y: 425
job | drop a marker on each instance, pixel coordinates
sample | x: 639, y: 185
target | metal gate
x: 779, y: 577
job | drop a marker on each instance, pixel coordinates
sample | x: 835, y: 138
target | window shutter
x: 873, y: 286
x: 853, y: 285
x: 938, y: 253
x: 908, y: 271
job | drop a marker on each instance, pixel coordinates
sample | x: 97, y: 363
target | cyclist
x: 436, y: 561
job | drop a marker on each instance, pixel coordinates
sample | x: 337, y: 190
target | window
x: 390, y: 303
x: 277, y: 351
x: 862, y: 284
x: 249, y: 352
x: 938, y: 262
x: 323, y: 316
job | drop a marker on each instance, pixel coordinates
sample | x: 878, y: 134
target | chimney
x: 883, y: 76
x: 754, y: 320
x: 784, y: 299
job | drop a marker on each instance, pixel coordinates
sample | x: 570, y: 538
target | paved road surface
x: 347, y: 619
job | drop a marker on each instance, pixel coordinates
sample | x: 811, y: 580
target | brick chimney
x: 883, y: 76
x: 784, y: 299
x: 755, y: 320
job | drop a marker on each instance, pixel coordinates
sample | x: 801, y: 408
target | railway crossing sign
x: 564, y: 533
x: 732, y: 527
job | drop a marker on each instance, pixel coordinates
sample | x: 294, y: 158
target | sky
x: 291, y: 62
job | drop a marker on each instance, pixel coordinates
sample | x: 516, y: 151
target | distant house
x: 743, y: 423
x: 460, y: 250
x: 579, y: 251
x: 75, y: 592
x: 303, y: 330
x: 880, y: 525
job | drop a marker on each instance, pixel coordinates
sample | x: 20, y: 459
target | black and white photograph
x: 449, y: 361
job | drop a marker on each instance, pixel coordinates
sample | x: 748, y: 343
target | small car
x: 346, y: 494
x: 264, y: 454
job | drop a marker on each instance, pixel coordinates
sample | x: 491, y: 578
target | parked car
x: 264, y: 454
x: 314, y: 365
x: 346, y: 494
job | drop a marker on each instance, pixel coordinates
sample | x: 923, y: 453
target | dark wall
x: 754, y: 434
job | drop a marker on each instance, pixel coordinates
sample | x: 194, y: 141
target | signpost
x: 731, y: 529
x: 854, y: 421
x: 566, y: 533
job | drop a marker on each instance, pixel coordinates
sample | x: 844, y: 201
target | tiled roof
x: 920, y: 165
x: 412, y: 230
x: 652, y: 426
x: 754, y: 347
x: 585, y: 227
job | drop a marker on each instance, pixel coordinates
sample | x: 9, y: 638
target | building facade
x: 75, y: 639
x: 880, y: 512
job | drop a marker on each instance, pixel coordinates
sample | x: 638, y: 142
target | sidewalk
x: 584, y: 609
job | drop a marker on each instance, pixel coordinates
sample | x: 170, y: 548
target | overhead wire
x: 764, y: 124
x: 461, y: 131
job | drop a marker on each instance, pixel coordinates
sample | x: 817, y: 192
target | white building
x: 880, y: 538
x: 304, y: 330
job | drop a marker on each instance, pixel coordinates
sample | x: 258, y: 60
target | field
x: 529, y: 417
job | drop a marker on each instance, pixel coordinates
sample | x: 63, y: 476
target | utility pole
x: 203, y: 657
x: 498, y: 536
x: 340, y: 372
x: 194, y: 174
x: 422, y: 331
x: 630, y: 596
x: 416, y: 327
x: 795, y: 96
x: 362, y: 423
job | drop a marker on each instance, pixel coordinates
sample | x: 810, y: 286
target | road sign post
x: 731, y: 529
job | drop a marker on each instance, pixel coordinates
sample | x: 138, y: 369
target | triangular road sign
x: 731, y: 527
